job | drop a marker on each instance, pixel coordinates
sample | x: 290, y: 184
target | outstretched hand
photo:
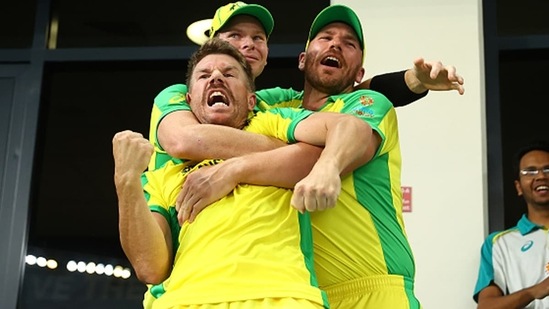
x: 433, y: 75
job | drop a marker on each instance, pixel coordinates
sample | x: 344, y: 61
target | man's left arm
x: 348, y: 142
x: 405, y: 87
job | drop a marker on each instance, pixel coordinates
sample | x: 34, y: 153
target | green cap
x: 226, y: 12
x: 337, y: 13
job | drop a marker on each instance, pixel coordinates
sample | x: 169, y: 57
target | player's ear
x: 252, y: 100
x: 188, y: 98
x: 301, y: 62
x: 359, y: 75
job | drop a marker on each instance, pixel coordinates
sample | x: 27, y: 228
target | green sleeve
x: 278, y: 123
x: 278, y: 97
x: 375, y: 109
x: 167, y: 101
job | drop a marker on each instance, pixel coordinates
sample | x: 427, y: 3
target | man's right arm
x: 491, y: 297
x: 145, y: 237
x: 174, y: 130
x: 183, y: 137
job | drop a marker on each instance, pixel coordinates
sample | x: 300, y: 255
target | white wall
x: 442, y: 138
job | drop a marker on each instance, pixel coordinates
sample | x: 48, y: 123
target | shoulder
x: 278, y: 97
x: 173, y: 94
x: 364, y: 96
x: 277, y: 92
x: 501, y: 236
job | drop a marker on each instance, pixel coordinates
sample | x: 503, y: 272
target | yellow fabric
x: 236, y: 248
x: 380, y: 292
x: 249, y: 245
x: 267, y: 303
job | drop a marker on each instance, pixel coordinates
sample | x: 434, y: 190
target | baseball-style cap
x: 226, y: 12
x: 337, y: 13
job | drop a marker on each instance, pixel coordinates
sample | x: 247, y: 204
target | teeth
x: 217, y: 97
x: 540, y: 188
x: 333, y: 59
x: 217, y: 94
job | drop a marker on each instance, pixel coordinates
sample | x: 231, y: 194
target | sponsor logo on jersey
x: 364, y: 112
x: 178, y: 98
x: 527, y: 246
x: 366, y: 100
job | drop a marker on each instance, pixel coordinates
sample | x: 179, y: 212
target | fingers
x: 460, y: 89
x: 189, y: 211
x: 456, y: 79
x: 297, y: 203
x: 418, y: 62
x: 183, y: 215
x: 188, y: 205
x: 185, y: 207
x: 436, y: 67
x: 313, y: 201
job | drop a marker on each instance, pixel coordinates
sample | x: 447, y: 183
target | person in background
x: 514, y: 265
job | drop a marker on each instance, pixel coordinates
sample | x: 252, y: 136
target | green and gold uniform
x: 250, y: 245
x: 362, y: 255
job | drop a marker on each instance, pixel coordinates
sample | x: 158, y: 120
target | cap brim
x: 197, y: 32
x: 259, y: 12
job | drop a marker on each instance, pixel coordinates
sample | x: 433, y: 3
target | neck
x: 314, y: 99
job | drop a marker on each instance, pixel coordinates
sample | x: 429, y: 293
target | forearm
x: 143, y: 240
x: 349, y: 143
x: 491, y: 297
x: 401, y: 88
x: 205, y: 141
x: 352, y: 144
x: 281, y: 167
x: 183, y: 137
x: 516, y: 300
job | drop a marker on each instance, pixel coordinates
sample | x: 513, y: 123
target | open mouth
x: 251, y: 57
x: 331, y: 62
x: 217, y: 97
x: 542, y: 188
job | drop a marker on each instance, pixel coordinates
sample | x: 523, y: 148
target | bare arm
x: 145, y: 237
x: 491, y: 297
x: 349, y: 142
x: 282, y: 167
x: 182, y: 136
x: 353, y: 144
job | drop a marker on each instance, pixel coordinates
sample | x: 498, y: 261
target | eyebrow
x: 533, y: 167
x: 348, y: 36
x: 224, y: 70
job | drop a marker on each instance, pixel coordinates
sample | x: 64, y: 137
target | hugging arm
x: 349, y: 142
x: 352, y: 144
x: 182, y: 136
